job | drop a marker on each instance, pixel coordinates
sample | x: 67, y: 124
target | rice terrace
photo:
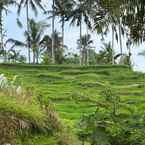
x: 72, y: 72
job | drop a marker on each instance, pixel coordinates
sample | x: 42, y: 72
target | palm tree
x: 62, y: 8
x: 3, y: 8
x: 46, y: 43
x: 110, y: 14
x: 77, y: 16
x: 33, y: 4
x: 105, y: 55
x: 134, y: 19
x: 15, y: 56
x: 59, y: 48
x: 34, y: 36
x: 86, y: 46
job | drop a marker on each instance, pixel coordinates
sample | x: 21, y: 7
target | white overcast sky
x: 71, y: 35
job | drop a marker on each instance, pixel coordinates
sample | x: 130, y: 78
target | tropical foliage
x: 123, y: 18
x: 113, y: 122
x: 98, y: 104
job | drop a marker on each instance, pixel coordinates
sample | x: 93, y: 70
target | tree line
x: 123, y: 18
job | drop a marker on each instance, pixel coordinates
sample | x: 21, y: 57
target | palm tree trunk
x: 120, y: 38
x: 85, y: 55
x: 63, y: 23
x: 37, y: 56
x: 112, y: 44
x: 129, y: 55
x: 28, y: 29
x: 81, y: 51
x: 53, y: 31
x: 1, y: 35
x: 88, y: 58
x: 33, y: 57
x: 87, y: 51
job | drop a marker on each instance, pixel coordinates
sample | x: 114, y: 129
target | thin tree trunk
x: 63, y: 23
x: 1, y: 31
x: 28, y: 29
x: 112, y: 44
x: 53, y: 31
x: 88, y: 58
x: 37, y: 56
x: 85, y: 55
x: 87, y: 51
x: 1, y: 35
x: 33, y: 57
x: 81, y: 51
x: 120, y: 38
x: 129, y: 55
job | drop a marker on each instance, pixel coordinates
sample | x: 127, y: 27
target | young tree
x: 105, y: 55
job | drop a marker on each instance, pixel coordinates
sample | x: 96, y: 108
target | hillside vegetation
x: 71, y: 92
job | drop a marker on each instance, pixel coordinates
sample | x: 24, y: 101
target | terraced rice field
x: 74, y: 91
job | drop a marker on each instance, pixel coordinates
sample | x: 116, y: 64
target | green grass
x: 74, y: 90
x: 29, y: 112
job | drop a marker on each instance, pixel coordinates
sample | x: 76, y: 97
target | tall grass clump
x: 21, y: 112
x: 24, y: 117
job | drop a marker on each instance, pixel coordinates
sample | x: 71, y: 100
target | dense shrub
x: 113, y: 123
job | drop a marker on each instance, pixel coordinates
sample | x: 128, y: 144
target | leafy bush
x: 113, y: 123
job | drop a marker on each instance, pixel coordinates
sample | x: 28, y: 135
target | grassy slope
x: 73, y: 90
x: 26, y: 112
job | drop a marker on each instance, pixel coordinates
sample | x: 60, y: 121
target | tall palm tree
x: 35, y: 36
x: 77, y: 16
x: 3, y: 8
x: 27, y: 4
x: 62, y: 9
